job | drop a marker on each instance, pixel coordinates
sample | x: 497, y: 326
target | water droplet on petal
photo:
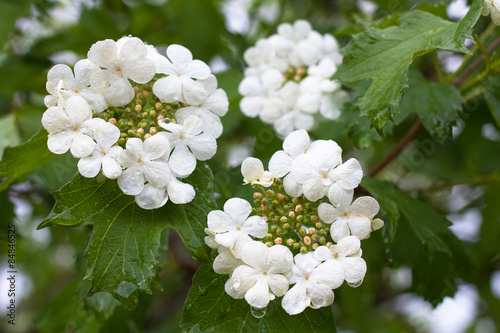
x: 258, y: 313
x: 355, y: 284
x: 236, y: 282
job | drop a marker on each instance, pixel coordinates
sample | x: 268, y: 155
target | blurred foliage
x: 415, y: 190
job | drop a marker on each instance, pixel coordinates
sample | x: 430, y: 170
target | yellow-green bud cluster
x: 293, y: 222
x: 295, y: 74
x: 139, y: 118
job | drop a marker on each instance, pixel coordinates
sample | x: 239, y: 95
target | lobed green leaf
x: 124, y: 249
x: 209, y: 309
x: 384, y: 56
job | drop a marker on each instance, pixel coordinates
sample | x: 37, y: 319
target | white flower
x: 292, y: 117
x: 253, y: 172
x: 306, y: 43
x: 233, y: 226
x: 261, y: 278
x: 348, y: 219
x: 492, y: 7
x: 226, y: 262
x: 182, y: 71
x: 295, y: 144
x: 142, y: 160
x: 189, y: 143
x: 347, y: 255
x: 330, y: 49
x: 314, y: 282
x: 178, y: 192
x: 122, y: 60
x: 67, y: 128
x: 320, y: 168
x: 105, y: 152
x: 61, y: 82
x: 268, y: 53
x: 261, y: 96
x: 209, y: 110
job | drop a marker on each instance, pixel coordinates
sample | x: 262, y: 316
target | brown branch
x: 409, y: 136
x: 459, y: 79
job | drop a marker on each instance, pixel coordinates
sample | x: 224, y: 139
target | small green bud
x: 314, y: 237
x: 269, y: 236
x: 145, y: 114
x: 286, y: 226
x: 279, y: 232
x: 269, y: 244
x: 283, y: 219
x: 296, y: 246
x: 290, y: 242
x: 303, y: 250
x: 121, y: 141
x: 131, y: 133
x: 257, y: 202
x: 257, y: 195
x: 300, y: 218
x: 123, y: 135
x: 314, y: 246
x: 274, y: 228
x: 302, y: 232
x: 322, y: 240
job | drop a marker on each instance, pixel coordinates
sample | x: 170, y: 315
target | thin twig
x: 409, y: 136
x: 459, y: 79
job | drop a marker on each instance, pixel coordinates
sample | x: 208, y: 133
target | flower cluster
x: 292, y: 237
x: 288, y: 82
x: 137, y: 116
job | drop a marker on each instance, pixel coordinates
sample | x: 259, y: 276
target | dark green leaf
x: 11, y: 11
x: 384, y: 56
x: 436, y: 104
x: 209, y: 309
x: 430, y: 227
x: 124, y: 248
x: 9, y: 137
x: 20, y: 160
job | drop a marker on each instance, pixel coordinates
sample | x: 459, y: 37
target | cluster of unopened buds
x: 132, y: 114
x: 290, y: 236
x: 289, y: 79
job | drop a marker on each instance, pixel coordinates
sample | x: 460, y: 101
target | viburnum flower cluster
x: 288, y: 82
x: 137, y: 116
x: 292, y: 244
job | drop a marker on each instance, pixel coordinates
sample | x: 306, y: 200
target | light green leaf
x: 124, y: 249
x: 430, y: 227
x: 436, y: 104
x: 209, y: 309
x: 384, y: 56
x: 11, y: 11
x: 9, y: 136
x: 20, y: 160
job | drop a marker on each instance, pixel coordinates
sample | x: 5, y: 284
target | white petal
x: 225, y: 263
x: 218, y: 221
x: 360, y: 226
x: 251, y: 106
x: 258, y: 295
x: 90, y: 166
x: 365, y: 206
x: 340, y: 197
x: 321, y: 296
x: 197, y: 69
x: 292, y: 188
x: 238, y: 210
x: 355, y: 269
x: 323, y: 253
x: 192, y: 92
x: 348, y: 246
x: 279, y: 259
x: 296, y: 299
x: 106, y: 134
x: 168, y: 89
x: 179, y: 192
x: 296, y: 143
x: 280, y: 163
x: 55, y: 120
x: 157, y: 173
x: 120, y: 92
x: 82, y: 145
x: 131, y: 182
x: 339, y: 230
x: 313, y: 189
x: 59, y: 143
x: 182, y: 161
x: 110, y: 167
x: 155, y: 147
x: 252, y: 169
x: 327, y: 213
x: 179, y: 55
x: 218, y: 102
x: 103, y: 53
x: 151, y: 197
x: 203, y: 146
x: 349, y: 174
x: 255, y: 255
x: 329, y: 273
x: 278, y: 284
x: 78, y: 110
x: 256, y: 226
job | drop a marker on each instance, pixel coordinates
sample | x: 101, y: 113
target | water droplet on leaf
x: 258, y: 313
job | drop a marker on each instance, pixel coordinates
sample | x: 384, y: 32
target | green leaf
x: 430, y: 227
x: 209, y: 309
x: 384, y: 56
x: 436, y: 104
x: 21, y: 160
x: 11, y: 11
x: 492, y: 97
x: 124, y: 249
x: 9, y: 137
